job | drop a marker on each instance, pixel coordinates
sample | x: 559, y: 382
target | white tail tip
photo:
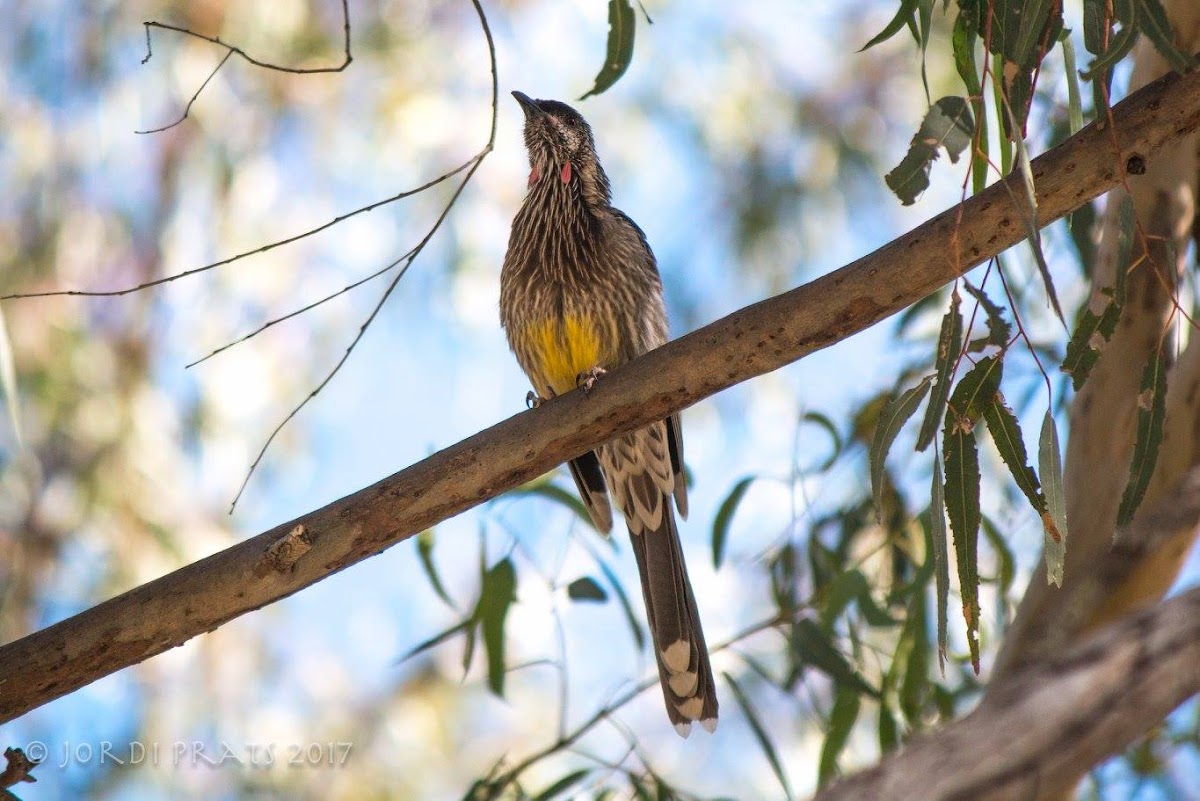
x: 710, y: 725
x: 683, y: 729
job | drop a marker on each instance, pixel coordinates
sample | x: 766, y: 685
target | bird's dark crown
x: 556, y: 129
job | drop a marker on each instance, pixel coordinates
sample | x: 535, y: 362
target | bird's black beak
x: 527, y: 104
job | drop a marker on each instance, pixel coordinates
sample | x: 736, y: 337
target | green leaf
x: 1006, y: 433
x: 841, y: 723
x: 550, y: 491
x: 639, y: 636
x: 941, y: 559
x: 912, y: 651
x: 811, y: 646
x: 999, y: 329
x: 1004, y: 555
x: 720, y: 533
x: 497, y: 595
x: 966, y: 32
x: 621, y: 24
x: 949, y: 346
x: 976, y: 391
x: 760, y: 733
x: 425, y: 541
x: 1032, y: 227
x: 1152, y: 20
x: 1092, y: 333
x: 435, y: 640
x: 825, y: 423
x: 566, y: 782
x: 961, y: 457
x: 1050, y: 464
x: 586, y: 589
x: 947, y: 124
x: 1074, y: 104
x: 1152, y: 408
x: 889, y: 735
x: 1023, y: 31
x: 891, y: 420
x: 904, y: 16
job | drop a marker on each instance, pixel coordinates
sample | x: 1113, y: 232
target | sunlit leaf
x: 760, y: 734
x: 1050, y: 465
x: 720, y: 532
x: 949, y: 346
x: 841, y: 722
x: 621, y: 24
x: 948, y: 125
x: 1152, y: 409
x: 586, y: 589
x: 891, y: 420
x: 497, y: 595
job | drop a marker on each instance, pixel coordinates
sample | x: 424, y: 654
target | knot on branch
x: 284, y: 552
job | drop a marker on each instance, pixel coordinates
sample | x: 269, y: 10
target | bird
x: 580, y: 294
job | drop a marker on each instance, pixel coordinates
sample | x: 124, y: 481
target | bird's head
x: 560, y: 146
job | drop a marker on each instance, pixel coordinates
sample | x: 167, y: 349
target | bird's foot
x: 532, y: 400
x: 587, y: 380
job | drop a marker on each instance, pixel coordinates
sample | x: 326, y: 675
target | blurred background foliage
x: 749, y: 140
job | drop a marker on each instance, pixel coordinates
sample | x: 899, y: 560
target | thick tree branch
x: 1037, y: 732
x: 168, y: 611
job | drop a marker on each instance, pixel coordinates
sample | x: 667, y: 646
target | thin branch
x: 750, y: 342
x: 109, y: 293
x: 408, y: 260
x: 188, y: 108
x: 277, y: 320
x: 231, y: 50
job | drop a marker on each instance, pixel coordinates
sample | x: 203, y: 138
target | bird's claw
x: 587, y: 380
x: 532, y: 401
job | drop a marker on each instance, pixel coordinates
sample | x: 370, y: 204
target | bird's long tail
x: 645, y: 474
x: 680, y: 650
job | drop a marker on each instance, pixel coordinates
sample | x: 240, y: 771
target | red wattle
x: 566, y: 173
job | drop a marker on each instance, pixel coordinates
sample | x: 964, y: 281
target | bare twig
x: 407, y: 260
x: 231, y: 50
x: 109, y: 293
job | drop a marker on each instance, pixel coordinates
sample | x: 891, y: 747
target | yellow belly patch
x: 564, y: 349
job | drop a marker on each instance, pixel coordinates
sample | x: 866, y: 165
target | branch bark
x: 1037, y: 732
x: 200, y: 597
x: 1041, y: 728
